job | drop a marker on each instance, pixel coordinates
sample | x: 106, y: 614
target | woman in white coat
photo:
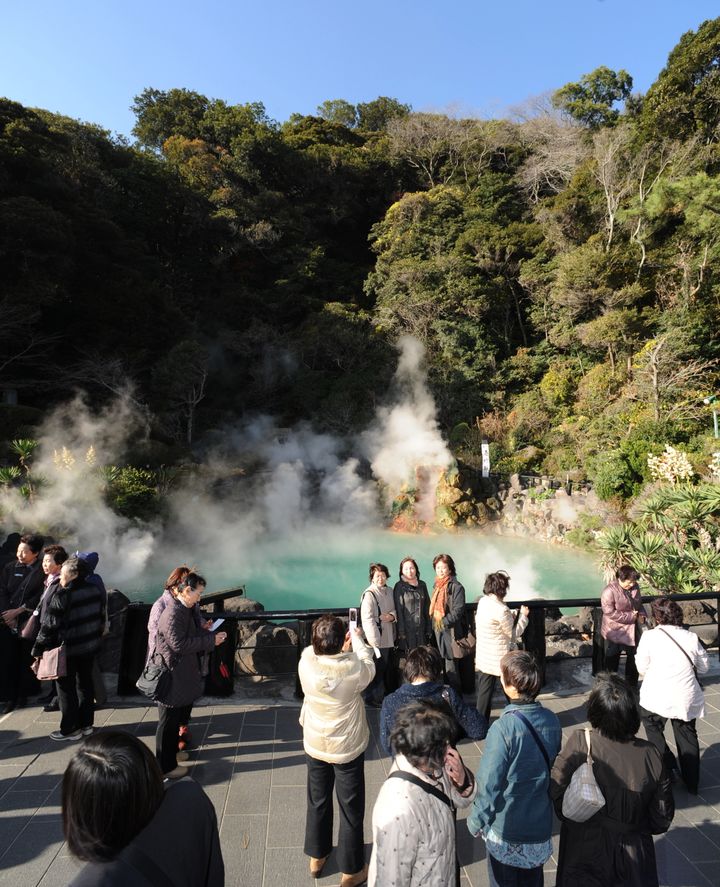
x: 335, y: 736
x: 495, y: 633
x: 669, y: 658
x: 414, y: 818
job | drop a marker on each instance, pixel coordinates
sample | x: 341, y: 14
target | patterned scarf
x: 438, y: 604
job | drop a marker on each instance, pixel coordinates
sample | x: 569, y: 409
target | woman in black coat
x: 447, y: 612
x: 73, y: 616
x: 178, y: 642
x: 614, y: 848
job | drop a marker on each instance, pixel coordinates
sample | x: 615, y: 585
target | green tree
x: 685, y: 98
x: 338, y: 111
x: 375, y: 115
x: 590, y: 101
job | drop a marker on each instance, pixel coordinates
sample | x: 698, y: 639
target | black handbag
x: 155, y: 680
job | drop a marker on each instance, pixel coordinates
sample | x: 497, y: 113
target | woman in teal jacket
x: 512, y: 810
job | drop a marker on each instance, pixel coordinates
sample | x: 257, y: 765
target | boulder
x: 445, y: 517
x: 697, y: 612
x: 242, y: 604
x: 567, y: 648
x: 267, y: 650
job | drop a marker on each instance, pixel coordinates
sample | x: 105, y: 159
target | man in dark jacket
x: 21, y: 585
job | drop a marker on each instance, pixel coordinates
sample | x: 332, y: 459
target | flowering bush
x: 671, y: 466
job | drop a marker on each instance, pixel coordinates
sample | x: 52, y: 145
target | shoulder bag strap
x: 425, y: 786
x: 587, y: 740
x: 377, y: 620
x: 684, y: 652
x: 534, y: 734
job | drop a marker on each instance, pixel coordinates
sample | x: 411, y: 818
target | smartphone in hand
x: 352, y: 620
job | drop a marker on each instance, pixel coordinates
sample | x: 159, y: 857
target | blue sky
x: 88, y: 59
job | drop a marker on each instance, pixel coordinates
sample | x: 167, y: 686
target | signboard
x: 485, y: 450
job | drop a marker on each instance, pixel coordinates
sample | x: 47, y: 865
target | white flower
x: 671, y: 466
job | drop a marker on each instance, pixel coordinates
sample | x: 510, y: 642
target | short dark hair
x: 423, y: 662
x: 446, y: 559
x: 77, y: 566
x: 111, y: 789
x: 409, y: 560
x: 667, y: 612
x: 626, y: 572
x: 521, y: 670
x: 191, y: 580
x: 422, y: 732
x: 497, y: 584
x: 381, y: 567
x: 328, y: 635
x: 34, y: 541
x: 612, y: 708
x: 57, y: 553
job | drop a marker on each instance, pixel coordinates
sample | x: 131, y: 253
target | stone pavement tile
x: 62, y: 870
x: 290, y: 866
x: 288, y: 764
x: 692, y: 843
x: 711, y: 830
x: 706, y: 727
x: 243, y: 847
x: 709, y: 870
x: 16, y: 811
x: 248, y: 793
x: 9, y: 774
x: 261, y: 715
x: 27, y: 859
x: 287, y: 816
x: 709, y: 772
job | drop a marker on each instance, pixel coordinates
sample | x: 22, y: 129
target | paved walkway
x: 251, y: 764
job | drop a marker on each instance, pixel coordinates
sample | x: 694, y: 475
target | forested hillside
x: 559, y: 265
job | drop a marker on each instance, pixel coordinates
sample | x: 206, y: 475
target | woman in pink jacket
x: 623, y: 613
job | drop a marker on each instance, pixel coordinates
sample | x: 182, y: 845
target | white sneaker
x: 58, y: 736
x: 182, y: 756
x: 87, y: 731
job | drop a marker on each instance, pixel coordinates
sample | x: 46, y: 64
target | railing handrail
x: 532, y: 603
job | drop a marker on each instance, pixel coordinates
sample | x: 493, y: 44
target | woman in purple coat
x: 178, y: 641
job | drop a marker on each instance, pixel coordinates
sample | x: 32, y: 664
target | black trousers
x: 76, y: 694
x: 166, y: 737
x: 686, y: 741
x: 485, y: 684
x: 613, y: 652
x: 16, y: 679
x: 349, y: 783
x: 376, y: 689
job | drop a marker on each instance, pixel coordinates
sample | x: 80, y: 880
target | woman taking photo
x: 335, y: 736
x: 495, y: 633
x: 669, y: 658
x: 447, y: 612
x: 614, y: 848
x: 412, y: 607
x: 178, y: 641
x: 74, y: 616
x: 118, y: 818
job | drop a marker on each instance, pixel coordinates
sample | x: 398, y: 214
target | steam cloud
x: 302, y: 482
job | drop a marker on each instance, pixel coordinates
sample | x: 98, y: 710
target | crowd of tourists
x: 134, y: 819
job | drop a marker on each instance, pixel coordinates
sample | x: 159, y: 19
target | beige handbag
x: 583, y: 797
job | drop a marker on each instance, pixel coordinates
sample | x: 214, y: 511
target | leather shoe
x: 8, y: 708
x: 317, y: 865
x: 356, y: 879
x: 54, y: 705
x: 177, y: 773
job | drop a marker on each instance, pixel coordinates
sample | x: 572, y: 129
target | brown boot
x: 317, y: 865
x: 356, y: 879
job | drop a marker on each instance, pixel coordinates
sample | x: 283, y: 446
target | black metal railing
x: 533, y: 637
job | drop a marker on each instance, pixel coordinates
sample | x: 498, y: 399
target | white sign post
x: 485, y: 450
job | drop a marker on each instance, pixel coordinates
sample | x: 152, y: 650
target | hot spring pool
x: 328, y: 567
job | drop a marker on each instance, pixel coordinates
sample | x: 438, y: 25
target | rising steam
x: 300, y: 484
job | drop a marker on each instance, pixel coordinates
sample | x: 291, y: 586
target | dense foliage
x: 559, y: 267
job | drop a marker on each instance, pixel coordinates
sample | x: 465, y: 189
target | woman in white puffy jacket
x: 495, y: 633
x: 668, y: 657
x: 335, y: 736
